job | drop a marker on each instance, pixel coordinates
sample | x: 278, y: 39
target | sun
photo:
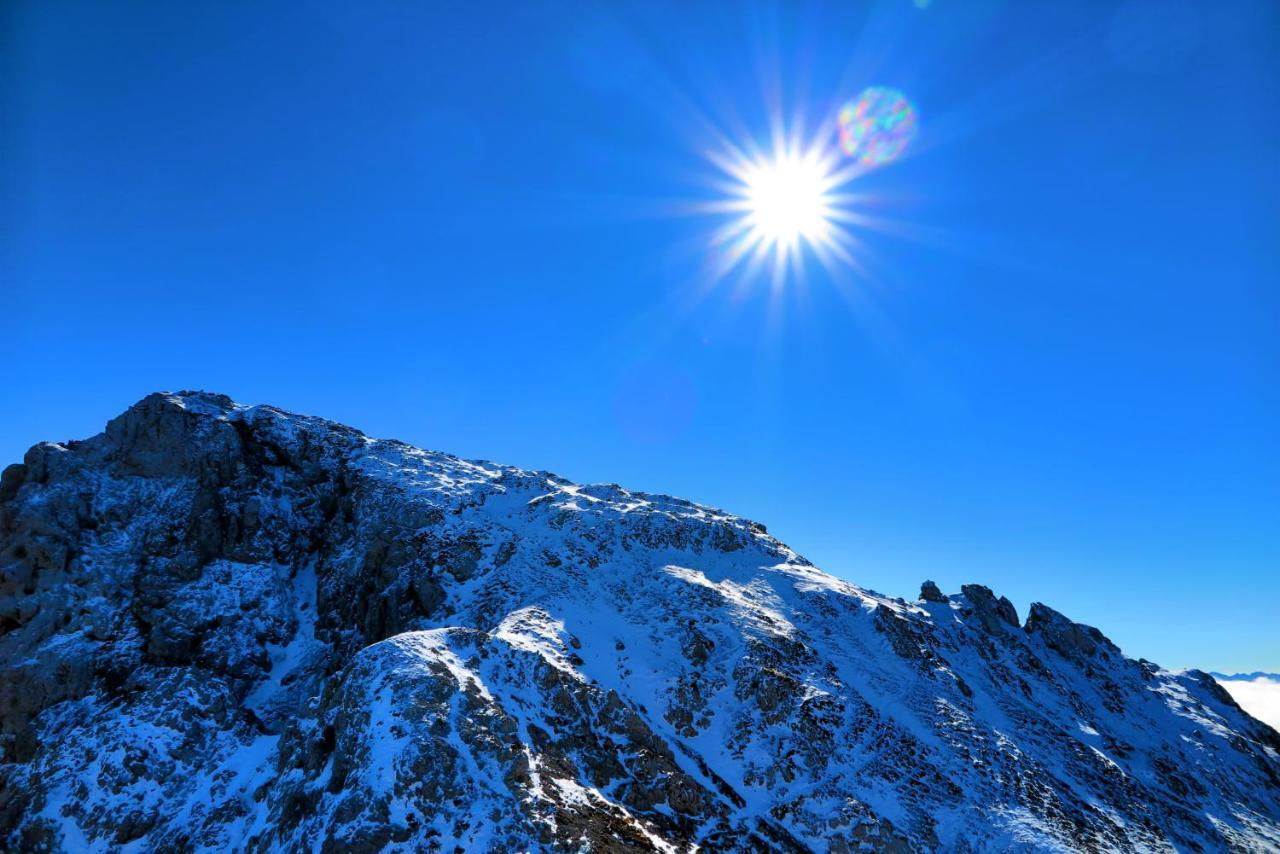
x: 787, y: 200
x: 781, y: 203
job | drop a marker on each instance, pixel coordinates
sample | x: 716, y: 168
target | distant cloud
x: 1257, y: 693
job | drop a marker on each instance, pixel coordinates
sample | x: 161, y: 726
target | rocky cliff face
x: 233, y: 628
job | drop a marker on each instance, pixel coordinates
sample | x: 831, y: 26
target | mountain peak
x: 232, y: 626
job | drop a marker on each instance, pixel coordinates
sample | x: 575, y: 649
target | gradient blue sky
x: 454, y: 224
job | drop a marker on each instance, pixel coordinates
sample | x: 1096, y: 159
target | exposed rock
x: 11, y: 481
x: 1072, y: 640
x: 991, y: 611
x: 929, y: 592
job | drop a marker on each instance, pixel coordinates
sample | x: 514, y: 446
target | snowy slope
x: 233, y: 628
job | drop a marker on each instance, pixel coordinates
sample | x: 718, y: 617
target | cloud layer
x: 1257, y: 695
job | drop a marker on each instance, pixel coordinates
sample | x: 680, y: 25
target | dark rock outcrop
x: 929, y: 592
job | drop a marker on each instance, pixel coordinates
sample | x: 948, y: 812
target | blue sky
x: 467, y: 226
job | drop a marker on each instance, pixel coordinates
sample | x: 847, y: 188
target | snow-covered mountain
x: 232, y: 628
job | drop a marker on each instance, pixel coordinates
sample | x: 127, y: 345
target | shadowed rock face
x: 229, y: 627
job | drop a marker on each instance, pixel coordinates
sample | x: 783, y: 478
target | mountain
x: 228, y: 627
x: 1245, y: 677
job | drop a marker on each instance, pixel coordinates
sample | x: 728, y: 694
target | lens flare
x: 877, y: 126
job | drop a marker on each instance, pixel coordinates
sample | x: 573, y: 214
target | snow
x: 286, y: 659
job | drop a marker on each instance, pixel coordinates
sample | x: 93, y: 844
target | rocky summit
x: 232, y: 628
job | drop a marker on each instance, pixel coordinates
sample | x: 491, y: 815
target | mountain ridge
x: 233, y: 626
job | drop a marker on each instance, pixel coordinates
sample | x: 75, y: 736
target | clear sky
x: 1055, y: 370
